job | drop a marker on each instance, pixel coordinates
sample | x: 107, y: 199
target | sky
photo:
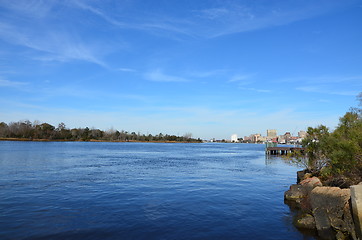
x: 212, y: 68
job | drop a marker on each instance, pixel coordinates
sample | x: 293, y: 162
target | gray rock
x: 331, y: 210
x: 297, y: 195
x: 295, y: 192
x: 305, y: 221
x: 300, y: 175
x: 356, y: 203
x: 341, y: 236
x: 303, y: 188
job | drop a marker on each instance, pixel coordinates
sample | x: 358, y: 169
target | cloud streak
x: 256, y: 90
x: 158, y: 76
x: 206, y: 74
x: 325, y: 90
x: 332, y: 85
x: 324, y: 79
x: 126, y: 70
x: 213, y: 19
x: 7, y: 83
x: 52, y: 42
x: 56, y: 44
x: 241, y: 78
x: 48, y: 36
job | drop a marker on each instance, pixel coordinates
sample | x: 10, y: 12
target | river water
x: 87, y: 190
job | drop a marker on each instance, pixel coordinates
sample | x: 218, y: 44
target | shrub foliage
x: 337, y: 155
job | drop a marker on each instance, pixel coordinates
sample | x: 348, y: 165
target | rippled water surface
x: 78, y: 190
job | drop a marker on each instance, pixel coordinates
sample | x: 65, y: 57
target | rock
x: 310, y: 183
x: 349, y: 225
x: 341, y: 236
x: 307, y: 175
x: 295, y: 192
x: 297, y: 195
x: 356, y: 201
x: 304, y: 205
x: 300, y: 175
x: 331, y: 211
x: 305, y: 221
x: 298, y: 191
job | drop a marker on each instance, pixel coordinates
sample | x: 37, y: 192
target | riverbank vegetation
x: 336, y: 156
x: 28, y: 131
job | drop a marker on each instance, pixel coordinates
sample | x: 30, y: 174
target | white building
x: 234, y: 138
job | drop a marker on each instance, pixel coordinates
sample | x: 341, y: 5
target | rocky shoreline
x: 326, y: 210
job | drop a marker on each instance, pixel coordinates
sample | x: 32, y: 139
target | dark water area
x: 80, y: 190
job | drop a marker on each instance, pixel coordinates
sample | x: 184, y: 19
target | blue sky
x: 212, y: 68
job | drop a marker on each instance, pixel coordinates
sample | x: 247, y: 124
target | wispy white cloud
x: 126, y: 70
x: 209, y: 73
x: 348, y: 85
x: 79, y: 92
x: 241, y: 78
x: 150, y: 22
x: 53, y: 42
x: 58, y: 45
x: 212, y: 19
x: 159, y: 76
x: 327, y: 90
x: 234, y: 17
x: 327, y: 79
x: 256, y: 90
x: 87, y: 7
x: 7, y: 83
x: 245, y: 82
x: 31, y: 24
x: 29, y: 8
x: 213, y: 13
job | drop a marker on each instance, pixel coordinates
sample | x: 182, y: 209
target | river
x: 92, y: 190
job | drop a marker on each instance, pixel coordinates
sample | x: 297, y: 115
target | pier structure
x: 283, y: 150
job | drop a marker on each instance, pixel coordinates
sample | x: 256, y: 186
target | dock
x: 283, y: 150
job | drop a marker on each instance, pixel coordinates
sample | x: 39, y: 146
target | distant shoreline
x: 91, y: 140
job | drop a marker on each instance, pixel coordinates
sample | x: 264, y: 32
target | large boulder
x: 295, y: 192
x: 297, y: 195
x: 331, y: 211
x: 310, y: 183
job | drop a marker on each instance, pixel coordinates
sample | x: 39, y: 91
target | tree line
x: 27, y: 130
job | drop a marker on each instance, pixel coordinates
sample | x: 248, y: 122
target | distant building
x: 302, y: 134
x: 262, y: 139
x: 256, y: 137
x: 271, y: 133
x: 234, y: 138
x: 247, y: 139
x: 294, y: 140
x: 287, y: 137
x: 281, y: 139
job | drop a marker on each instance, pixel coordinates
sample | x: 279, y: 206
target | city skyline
x: 210, y: 68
